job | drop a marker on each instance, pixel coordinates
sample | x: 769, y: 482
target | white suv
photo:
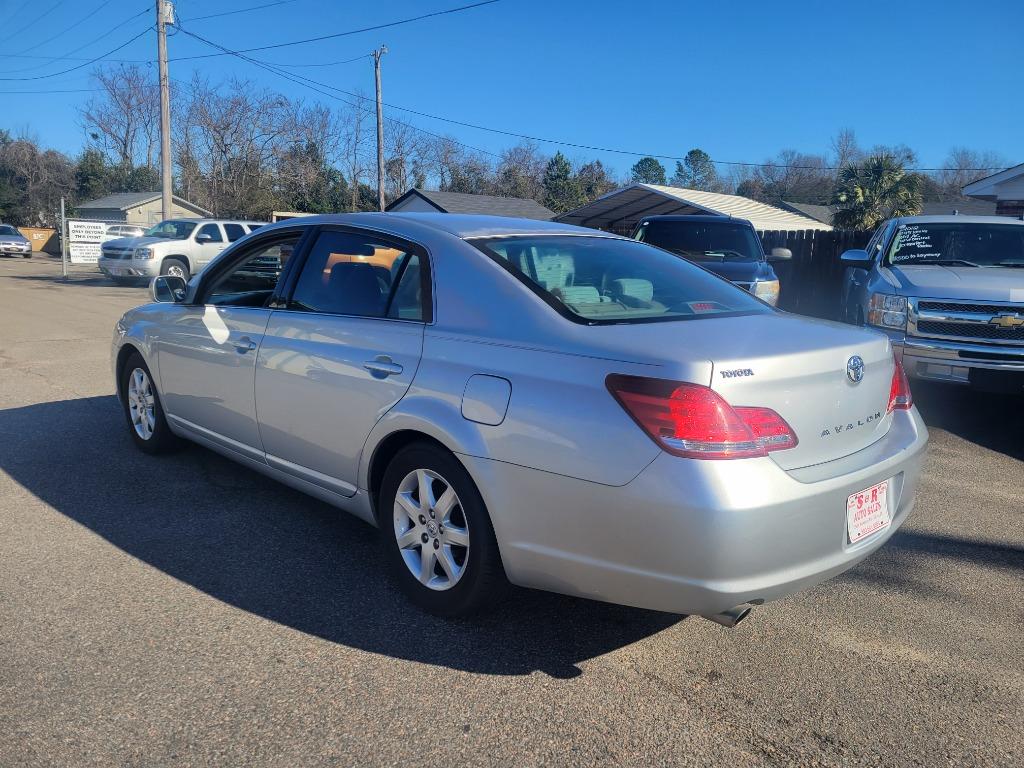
x: 180, y: 247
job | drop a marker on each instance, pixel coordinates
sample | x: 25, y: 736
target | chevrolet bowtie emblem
x: 1008, y: 320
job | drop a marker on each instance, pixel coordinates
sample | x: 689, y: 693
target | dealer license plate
x: 867, y: 512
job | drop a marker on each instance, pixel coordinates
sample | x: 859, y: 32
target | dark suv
x: 721, y: 244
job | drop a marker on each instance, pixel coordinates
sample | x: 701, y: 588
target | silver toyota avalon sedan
x: 529, y: 402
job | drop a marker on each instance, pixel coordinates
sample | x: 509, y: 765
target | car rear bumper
x: 692, y: 536
x: 953, y: 361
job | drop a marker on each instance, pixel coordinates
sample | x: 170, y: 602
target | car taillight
x: 899, y: 392
x: 695, y: 422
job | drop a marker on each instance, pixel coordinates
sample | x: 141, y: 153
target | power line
x: 47, y: 41
x: 240, y: 10
x: 312, y: 85
x: 573, y: 145
x: 336, y: 35
x: 93, y: 41
x: 81, y: 66
x: 327, y: 63
x: 36, y: 20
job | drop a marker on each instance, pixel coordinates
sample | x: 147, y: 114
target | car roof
x: 201, y: 220
x: 464, y: 226
x: 956, y: 219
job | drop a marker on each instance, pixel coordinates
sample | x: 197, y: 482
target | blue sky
x: 741, y: 79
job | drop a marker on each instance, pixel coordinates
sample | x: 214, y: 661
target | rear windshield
x: 611, y: 280
x: 702, y: 241
x: 955, y: 244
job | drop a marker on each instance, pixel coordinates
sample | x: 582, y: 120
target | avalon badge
x: 855, y: 369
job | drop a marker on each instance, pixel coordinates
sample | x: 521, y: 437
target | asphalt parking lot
x: 186, y: 611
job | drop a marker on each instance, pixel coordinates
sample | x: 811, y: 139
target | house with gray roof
x: 964, y: 207
x: 430, y: 201
x: 142, y: 208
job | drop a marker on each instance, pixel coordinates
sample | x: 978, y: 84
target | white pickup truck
x: 180, y: 247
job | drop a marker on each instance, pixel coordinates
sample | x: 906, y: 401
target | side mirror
x: 856, y: 258
x: 167, y: 288
x: 780, y: 254
x: 204, y: 237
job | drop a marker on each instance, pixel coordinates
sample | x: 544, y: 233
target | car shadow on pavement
x: 78, y: 279
x: 991, y: 420
x: 264, y: 548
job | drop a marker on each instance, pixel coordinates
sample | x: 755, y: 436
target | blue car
x: 721, y: 244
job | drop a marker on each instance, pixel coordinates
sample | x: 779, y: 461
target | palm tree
x: 876, y: 189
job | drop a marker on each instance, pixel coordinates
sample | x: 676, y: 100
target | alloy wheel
x: 431, y: 529
x: 141, y: 403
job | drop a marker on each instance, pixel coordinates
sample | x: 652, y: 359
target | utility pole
x: 164, y: 16
x: 380, y: 127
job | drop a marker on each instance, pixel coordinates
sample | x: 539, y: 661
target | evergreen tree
x: 561, y: 189
x: 648, y: 170
x: 697, y: 171
x: 92, y: 177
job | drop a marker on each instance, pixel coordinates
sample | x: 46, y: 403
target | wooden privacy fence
x: 812, y: 280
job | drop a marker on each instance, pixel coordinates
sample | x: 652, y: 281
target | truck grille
x: 982, y: 309
x: 986, y: 332
x: 117, y: 253
x: 967, y: 321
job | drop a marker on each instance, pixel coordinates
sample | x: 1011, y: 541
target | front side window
x: 251, y: 282
x: 171, y: 230
x: 354, y: 274
x: 703, y: 241
x: 609, y: 280
x: 958, y: 245
x: 211, y: 231
x: 234, y: 232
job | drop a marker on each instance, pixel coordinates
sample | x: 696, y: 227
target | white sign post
x: 84, y: 239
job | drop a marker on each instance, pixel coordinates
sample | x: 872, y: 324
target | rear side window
x: 355, y: 274
x: 234, y: 232
x: 600, y: 280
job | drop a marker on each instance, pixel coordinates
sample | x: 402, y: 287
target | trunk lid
x: 793, y: 365
x: 804, y: 378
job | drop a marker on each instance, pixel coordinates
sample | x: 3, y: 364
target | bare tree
x: 355, y: 147
x: 123, y: 120
x: 963, y: 166
x: 33, y: 181
x: 845, y: 150
x: 520, y: 172
x: 406, y: 152
x: 229, y: 140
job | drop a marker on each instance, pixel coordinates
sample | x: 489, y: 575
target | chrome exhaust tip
x: 730, y: 618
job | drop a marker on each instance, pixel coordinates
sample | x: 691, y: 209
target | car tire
x: 143, y: 410
x: 175, y: 267
x: 26, y: 255
x: 458, y: 569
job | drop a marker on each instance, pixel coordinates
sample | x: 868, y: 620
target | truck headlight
x: 767, y: 291
x: 144, y: 253
x: 887, y: 311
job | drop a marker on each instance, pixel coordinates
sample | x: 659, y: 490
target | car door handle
x: 382, y: 367
x: 245, y: 344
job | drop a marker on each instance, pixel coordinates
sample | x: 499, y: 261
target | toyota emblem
x: 855, y: 369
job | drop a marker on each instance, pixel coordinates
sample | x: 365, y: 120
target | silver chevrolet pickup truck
x: 949, y: 292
